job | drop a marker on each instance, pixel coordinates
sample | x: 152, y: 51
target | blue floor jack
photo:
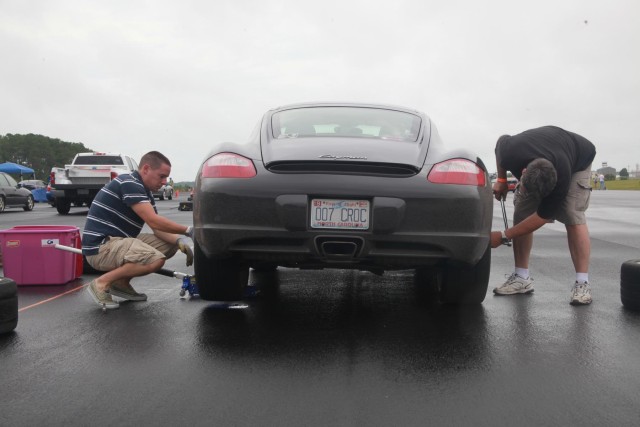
x: 188, y: 281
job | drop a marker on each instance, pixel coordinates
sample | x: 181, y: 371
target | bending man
x: 554, y: 169
x: 112, y: 241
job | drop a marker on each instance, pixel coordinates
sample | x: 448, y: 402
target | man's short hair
x: 503, y: 138
x: 155, y: 159
x: 540, y: 178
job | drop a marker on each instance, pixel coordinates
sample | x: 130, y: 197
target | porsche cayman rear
x: 353, y: 186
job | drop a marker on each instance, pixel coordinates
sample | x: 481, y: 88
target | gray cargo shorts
x: 144, y: 249
x: 573, y: 206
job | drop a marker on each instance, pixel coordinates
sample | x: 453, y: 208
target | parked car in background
x: 347, y: 186
x: 12, y: 195
x: 37, y: 187
x: 165, y: 192
x: 32, y: 184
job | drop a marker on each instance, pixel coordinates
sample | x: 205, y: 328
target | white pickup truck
x: 78, y: 183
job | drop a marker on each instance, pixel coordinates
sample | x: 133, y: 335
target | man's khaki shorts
x: 573, y: 207
x: 144, y: 249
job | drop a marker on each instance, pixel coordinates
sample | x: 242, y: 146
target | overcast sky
x: 133, y: 76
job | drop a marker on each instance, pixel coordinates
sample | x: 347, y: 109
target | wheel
x: 63, y: 206
x: 170, y: 197
x: 8, y: 305
x: 466, y: 285
x: 29, y: 205
x: 630, y: 284
x: 219, y: 279
x: 2, y: 204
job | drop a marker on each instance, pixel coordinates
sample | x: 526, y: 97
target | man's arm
x: 158, y: 222
x: 528, y: 225
x: 166, y: 229
x: 500, y: 187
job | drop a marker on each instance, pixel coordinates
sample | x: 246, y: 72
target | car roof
x: 347, y: 104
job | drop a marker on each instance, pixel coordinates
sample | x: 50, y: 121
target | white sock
x: 522, y: 272
x: 582, y: 277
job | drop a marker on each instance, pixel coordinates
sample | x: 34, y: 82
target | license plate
x: 340, y: 214
x: 83, y: 191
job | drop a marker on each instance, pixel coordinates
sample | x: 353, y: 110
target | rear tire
x: 63, y: 206
x: 219, y: 279
x: 170, y: 197
x: 2, y: 204
x: 462, y: 284
x: 630, y: 284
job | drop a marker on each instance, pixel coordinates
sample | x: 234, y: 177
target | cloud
x: 136, y: 76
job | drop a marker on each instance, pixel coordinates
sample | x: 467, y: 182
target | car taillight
x: 52, y: 178
x: 457, y: 171
x: 228, y: 165
x: 113, y: 175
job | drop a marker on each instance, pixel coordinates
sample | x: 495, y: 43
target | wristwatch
x: 504, y: 240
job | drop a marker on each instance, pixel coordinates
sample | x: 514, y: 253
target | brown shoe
x: 122, y: 289
x: 101, y: 298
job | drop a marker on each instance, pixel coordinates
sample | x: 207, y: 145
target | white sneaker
x: 515, y: 285
x: 581, y: 294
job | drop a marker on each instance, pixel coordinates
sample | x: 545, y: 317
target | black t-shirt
x: 568, y: 152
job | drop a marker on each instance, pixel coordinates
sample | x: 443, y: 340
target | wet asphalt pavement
x: 334, y: 347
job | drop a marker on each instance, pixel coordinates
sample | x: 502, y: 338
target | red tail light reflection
x: 457, y: 171
x: 228, y: 165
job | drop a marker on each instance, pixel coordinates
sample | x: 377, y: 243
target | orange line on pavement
x: 51, y: 299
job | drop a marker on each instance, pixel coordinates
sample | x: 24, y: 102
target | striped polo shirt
x: 111, y: 215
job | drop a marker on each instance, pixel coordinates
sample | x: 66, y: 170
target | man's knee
x: 156, y: 265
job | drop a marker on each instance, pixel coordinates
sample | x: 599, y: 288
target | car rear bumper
x: 427, y: 224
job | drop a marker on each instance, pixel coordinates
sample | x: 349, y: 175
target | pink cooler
x: 30, y: 257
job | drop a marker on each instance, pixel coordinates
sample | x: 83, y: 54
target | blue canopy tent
x: 15, y: 168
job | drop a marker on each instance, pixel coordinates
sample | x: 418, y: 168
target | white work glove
x: 189, y: 232
x: 183, y: 245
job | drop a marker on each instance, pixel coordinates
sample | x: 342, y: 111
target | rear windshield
x: 346, y: 121
x: 98, y: 160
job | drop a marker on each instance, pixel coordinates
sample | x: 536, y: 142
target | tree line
x: 38, y: 152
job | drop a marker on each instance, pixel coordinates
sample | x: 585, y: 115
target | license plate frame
x: 340, y: 214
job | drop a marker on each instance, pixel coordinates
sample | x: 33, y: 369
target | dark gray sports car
x: 340, y: 185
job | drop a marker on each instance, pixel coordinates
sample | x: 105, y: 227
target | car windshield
x: 346, y: 121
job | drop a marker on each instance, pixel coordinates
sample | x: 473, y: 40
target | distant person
x: 112, y: 241
x: 602, y: 184
x: 554, y: 169
x: 595, y: 181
